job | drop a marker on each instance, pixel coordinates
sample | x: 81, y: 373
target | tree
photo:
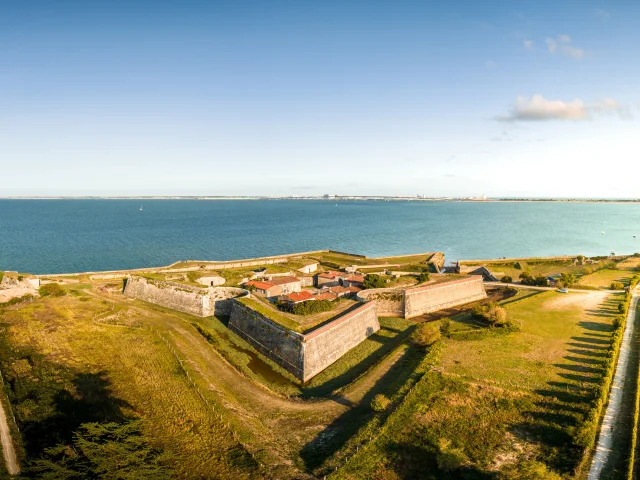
x: 567, y: 279
x: 374, y: 281
x: 103, y: 451
x: 425, y: 334
x: 617, y: 285
x: 506, y: 279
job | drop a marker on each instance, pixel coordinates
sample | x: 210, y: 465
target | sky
x: 365, y: 97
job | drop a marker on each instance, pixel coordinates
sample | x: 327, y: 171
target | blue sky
x: 298, y: 97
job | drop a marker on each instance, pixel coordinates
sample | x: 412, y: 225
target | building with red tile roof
x: 326, y: 296
x: 277, y: 286
x: 298, y: 297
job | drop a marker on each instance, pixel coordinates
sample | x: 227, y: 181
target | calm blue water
x: 54, y: 236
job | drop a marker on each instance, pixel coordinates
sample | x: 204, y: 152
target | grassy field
x: 502, y: 404
x: 76, y: 359
x: 95, y: 355
x: 604, y: 278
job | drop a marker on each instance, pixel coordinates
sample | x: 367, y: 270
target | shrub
x: 380, y: 403
x: 425, y: 334
x: 617, y: 285
x: 506, y: 279
x: 1, y: 275
x: 20, y: 277
x: 492, y: 313
x: 374, y: 281
x: 539, y: 281
x: 622, y: 307
x: 51, y: 290
x: 423, y: 277
x: 445, y: 327
x: 310, y: 307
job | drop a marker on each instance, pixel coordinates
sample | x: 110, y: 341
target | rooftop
x: 298, y: 297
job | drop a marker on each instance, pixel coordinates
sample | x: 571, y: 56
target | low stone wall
x: 431, y: 298
x: 389, y: 301
x: 202, y: 302
x: 411, y: 302
x: 304, y: 355
x: 328, y: 343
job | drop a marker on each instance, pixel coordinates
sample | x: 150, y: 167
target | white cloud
x: 562, y: 43
x: 528, y: 44
x: 601, y: 14
x: 576, y: 53
x: 538, y: 108
x: 552, y: 45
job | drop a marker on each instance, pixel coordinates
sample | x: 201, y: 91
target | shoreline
x: 337, y: 199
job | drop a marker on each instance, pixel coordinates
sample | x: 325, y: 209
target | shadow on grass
x: 596, y: 326
x: 420, y: 462
x: 387, y: 344
x: 335, y: 435
x: 579, y: 368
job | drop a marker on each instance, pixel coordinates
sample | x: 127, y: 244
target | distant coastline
x: 333, y: 198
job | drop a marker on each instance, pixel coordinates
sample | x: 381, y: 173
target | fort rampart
x: 304, y: 355
x: 415, y: 301
x: 202, y: 302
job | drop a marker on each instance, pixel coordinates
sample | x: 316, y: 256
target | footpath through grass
x: 502, y: 404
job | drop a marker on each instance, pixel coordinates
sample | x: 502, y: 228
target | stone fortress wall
x: 304, y: 355
x: 202, y: 302
x: 412, y: 302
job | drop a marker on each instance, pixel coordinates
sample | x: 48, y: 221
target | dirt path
x: 8, y: 451
x: 612, y: 450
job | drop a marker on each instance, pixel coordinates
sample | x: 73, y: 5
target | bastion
x: 199, y: 301
x: 304, y: 355
x: 415, y: 301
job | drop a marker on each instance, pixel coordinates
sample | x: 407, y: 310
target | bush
x: 51, y: 290
x: 506, y: 279
x: 622, y: 307
x: 310, y: 307
x: 492, y: 313
x: 380, y: 403
x: 423, y: 277
x: 445, y: 327
x: 539, y: 281
x: 617, y: 285
x: 1, y: 275
x: 374, y: 281
x: 425, y: 334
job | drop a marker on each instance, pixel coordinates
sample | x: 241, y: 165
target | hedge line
x: 634, y: 433
x: 585, y: 435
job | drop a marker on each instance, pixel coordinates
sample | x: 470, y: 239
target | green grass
x: 336, y: 377
x: 271, y: 313
x: 501, y: 399
x: 604, y: 278
x: 65, y: 368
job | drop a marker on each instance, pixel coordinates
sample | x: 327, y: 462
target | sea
x: 77, y: 235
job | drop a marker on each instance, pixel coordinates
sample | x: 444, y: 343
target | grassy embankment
x: 75, y: 359
x: 503, y: 404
